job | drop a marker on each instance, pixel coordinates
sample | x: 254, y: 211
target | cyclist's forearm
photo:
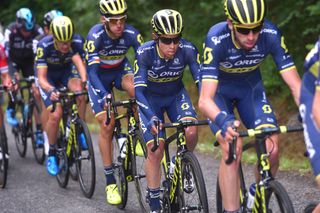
x: 95, y: 80
x: 143, y: 103
x: 42, y: 76
x: 78, y: 62
x: 292, y: 79
x: 315, y: 107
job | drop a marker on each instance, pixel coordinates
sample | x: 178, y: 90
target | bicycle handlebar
x: 126, y: 103
x: 65, y: 94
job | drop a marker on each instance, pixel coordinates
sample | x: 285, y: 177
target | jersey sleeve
x: 41, y: 56
x: 93, y: 62
x: 136, y: 38
x: 279, y: 50
x: 193, y: 60
x: 78, y: 45
x: 209, y: 70
x: 140, y: 83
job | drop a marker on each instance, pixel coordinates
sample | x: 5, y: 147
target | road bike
x: 25, y: 104
x: 270, y: 195
x: 127, y: 143
x: 184, y: 190
x: 74, y: 146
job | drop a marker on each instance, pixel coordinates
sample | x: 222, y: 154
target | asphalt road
x: 30, y: 189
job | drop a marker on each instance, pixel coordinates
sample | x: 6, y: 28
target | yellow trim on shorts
x: 287, y: 69
x: 99, y: 113
x: 210, y: 80
x: 264, y: 126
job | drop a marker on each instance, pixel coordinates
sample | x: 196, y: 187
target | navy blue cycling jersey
x: 310, y: 83
x: 224, y: 59
x: 105, y: 53
x: 49, y: 56
x: 155, y: 75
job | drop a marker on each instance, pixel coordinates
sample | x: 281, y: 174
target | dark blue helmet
x: 25, y: 19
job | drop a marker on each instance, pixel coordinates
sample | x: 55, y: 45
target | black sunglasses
x: 246, y: 31
x: 165, y: 40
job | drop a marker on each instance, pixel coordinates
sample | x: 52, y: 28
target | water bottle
x: 68, y: 129
x: 122, y: 141
x: 250, y: 201
x: 172, y: 166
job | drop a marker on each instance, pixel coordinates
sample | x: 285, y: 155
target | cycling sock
x: 154, y: 199
x: 52, y: 150
x: 235, y: 211
x: 108, y: 171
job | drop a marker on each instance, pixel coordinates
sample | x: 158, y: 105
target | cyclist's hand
x: 151, y: 125
x: 225, y: 122
x: 107, y: 100
x: 231, y: 131
x: 54, y: 94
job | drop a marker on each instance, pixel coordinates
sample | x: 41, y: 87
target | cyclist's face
x: 63, y: 47
x: 246, y: 35
x: 116, y: 25
x: 168, y: 45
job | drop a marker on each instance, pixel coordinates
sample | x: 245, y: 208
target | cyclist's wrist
x: 223, y: 120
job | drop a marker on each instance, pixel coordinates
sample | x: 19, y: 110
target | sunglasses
x: 174, y: 40
x: 246, y: 31
x: 114, y: 20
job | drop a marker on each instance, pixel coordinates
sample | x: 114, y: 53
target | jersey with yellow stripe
x: 108, y: 52
x: 222, y: 58
x: 49, y: 56
x: 312, y: 61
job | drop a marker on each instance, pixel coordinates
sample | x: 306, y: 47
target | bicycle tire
x: 85, y: 161
x: 38, y: 151
x: 20, y: 135
x: 138, y: 170
x: 277, y: 198
x: 193, y: 184
x: 119, y: 173
x: 4, y: 161
x: 63, y: 175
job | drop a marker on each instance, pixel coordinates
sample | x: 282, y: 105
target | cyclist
x: 159, y: 88
x: 107, y: 45
x: 18, y: 42
x: 56, y: 55
x: 309, y: 109
x: 231, y: 78
x: 47, y: 19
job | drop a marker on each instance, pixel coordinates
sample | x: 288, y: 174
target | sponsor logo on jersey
x: 216, y: 40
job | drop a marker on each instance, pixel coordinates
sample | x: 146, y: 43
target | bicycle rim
x: 277, y: 198
x: 138, y: 171
x: 63, y: 175
x: 85, y: 161
x: 38, y: 151
x: 3, y: 160
x: 192, y: 195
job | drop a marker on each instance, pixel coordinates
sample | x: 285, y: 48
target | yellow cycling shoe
x: 112, y: 193
x: 139, y: 150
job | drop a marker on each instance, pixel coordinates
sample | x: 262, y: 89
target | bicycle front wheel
x: 84, y: 159
x: 138, y: 164
x: 38, y: 150
x: 4, y: 161
x: 277, y: 198
x: 192, y: 195
x: 63, y: 175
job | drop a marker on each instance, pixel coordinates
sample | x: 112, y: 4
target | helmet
x: 167, y: 21
x: 112, y: 7
x: 62, y: 28
x: 49, y: 16
x: 25, y: 19
x: 245, y: 11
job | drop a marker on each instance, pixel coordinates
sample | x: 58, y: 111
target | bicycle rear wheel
x: 4, y: 161
x: 84, y: 159
x: 277, y: 198
x: 140, y: 179
x: 192, y: 195
x: 63, y: 175
x: 119, y: 173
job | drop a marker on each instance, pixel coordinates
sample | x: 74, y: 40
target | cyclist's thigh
x: 45, y: 95
x: 124, y: 71
x: 181, y: 107
x: 311, y: 131
x: 254, y: 108
x: 156, y: 105
x: 13, y: 67
x: 27, y: 68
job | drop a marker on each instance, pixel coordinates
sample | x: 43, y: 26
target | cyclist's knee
x: 156, y: 156
x: 55, y: 117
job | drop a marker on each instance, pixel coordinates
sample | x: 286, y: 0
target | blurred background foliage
x: 297, y: 19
